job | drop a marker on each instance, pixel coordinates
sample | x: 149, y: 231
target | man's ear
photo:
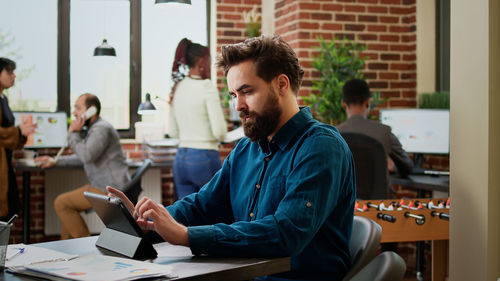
x: 283, y: 83
x: 368, y: 102
x: 344, y: 105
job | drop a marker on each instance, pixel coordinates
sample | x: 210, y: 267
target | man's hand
x: 45, y: 162
x: 113, y: 192
x: 390, y: 165
x: 27, y: 129
x: 154, y: 216
x: 76, y: 125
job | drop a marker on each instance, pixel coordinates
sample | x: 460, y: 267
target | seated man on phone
x: 98, y: 148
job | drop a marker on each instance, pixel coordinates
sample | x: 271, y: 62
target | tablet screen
x: 113, y: 213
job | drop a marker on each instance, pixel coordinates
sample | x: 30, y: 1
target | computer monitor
x: 425, y: 131
x: 51, y: 130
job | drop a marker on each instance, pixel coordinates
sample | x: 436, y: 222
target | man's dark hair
x: 271, y: 55
x: 92, y: 100
x: 7, y: 64
x: 355, y: 91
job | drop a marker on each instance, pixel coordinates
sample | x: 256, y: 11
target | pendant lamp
x: 173, y: 1
x: 104, y: 49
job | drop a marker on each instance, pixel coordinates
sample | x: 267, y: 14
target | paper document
x: 98, y: 267
x: 32, y: 254
x: 234, y: 135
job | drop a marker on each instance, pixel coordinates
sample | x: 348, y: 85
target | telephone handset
x: 91, y: 111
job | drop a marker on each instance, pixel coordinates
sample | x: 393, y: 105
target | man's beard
x: 260, y: 126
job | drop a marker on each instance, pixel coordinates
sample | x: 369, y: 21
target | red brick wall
x: 386, y: 27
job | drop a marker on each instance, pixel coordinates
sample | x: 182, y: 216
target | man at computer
x: 287, y: 189
x: 356, y: 100
x: 98, y: 148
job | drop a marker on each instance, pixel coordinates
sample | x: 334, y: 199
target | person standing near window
x: 11, y: 137
x: 196, y: 119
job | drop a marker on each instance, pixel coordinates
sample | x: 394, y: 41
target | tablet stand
x: 126, y: 244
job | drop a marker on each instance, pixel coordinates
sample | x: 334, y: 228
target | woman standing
x: 11, y: 138
x: 196, y: 119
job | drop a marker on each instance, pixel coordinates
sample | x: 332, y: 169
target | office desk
x: 185, y: 265
x: 424, y: 182
x: 26, y: 173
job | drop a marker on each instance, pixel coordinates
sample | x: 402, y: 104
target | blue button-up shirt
x: 293, y: 196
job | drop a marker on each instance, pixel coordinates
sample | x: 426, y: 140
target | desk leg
x: 439, y: 260
x: 26, y: 206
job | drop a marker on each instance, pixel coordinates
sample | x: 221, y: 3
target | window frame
x: 443, y: 45
x: 63, y: 60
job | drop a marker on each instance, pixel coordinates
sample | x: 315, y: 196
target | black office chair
x: 388, y: 266
x: 365, y: 240
x: 370, y: 161
x: 133, y: 188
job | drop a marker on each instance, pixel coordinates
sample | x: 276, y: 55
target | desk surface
x: 185, y: 265
x: 426, y: 182
x: 131, y: 164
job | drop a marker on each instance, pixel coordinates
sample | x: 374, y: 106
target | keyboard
x: 26, y: 162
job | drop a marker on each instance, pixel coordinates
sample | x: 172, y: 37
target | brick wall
x: 385, y: 27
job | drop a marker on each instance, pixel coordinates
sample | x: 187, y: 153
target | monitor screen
x: 51, y: 128
x: 420, y: 130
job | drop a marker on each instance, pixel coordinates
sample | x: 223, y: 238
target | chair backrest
x: 133, y: 188
x: 387, y: 266
x: 370, y: 161
x: 365, y: 240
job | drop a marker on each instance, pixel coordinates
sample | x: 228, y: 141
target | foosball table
x: 407, y: 220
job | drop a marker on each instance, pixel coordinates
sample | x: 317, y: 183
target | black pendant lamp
x: 147, y: 106
x: 173, y: 1
x: 104, y: 49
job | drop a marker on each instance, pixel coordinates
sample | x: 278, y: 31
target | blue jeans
x: 193, y: 168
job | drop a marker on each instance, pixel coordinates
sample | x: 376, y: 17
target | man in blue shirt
x: 288, y: 189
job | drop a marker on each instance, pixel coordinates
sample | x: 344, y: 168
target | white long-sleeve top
x: 196, y: 117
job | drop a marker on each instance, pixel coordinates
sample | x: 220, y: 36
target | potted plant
x: 434, y: 100
x: 337, y: 62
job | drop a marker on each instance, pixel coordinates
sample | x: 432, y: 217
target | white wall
x: 475, y: 137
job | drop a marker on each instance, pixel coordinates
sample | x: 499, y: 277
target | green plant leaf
x: 337, y: 62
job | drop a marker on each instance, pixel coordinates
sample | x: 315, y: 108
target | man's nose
x: 240, y: 103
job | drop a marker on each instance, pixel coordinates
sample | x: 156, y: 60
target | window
x: 54, y: 40
x: 30, y: 39
x: 443, y: 45
x: 105, y: 76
